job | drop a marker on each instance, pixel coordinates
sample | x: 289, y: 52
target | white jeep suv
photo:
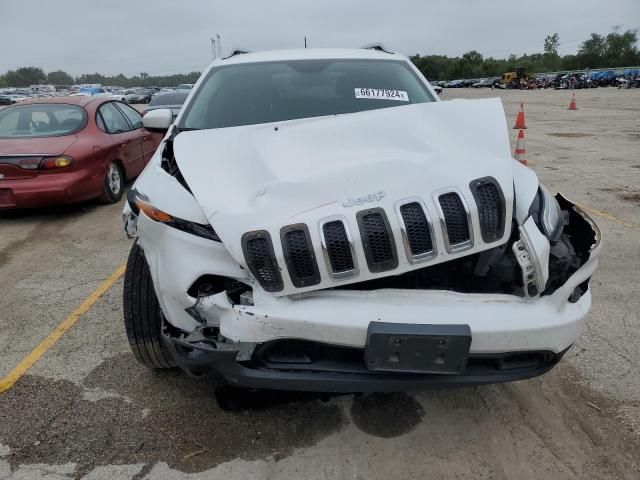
x: 319, y: 220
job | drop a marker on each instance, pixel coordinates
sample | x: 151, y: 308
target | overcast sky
x: 173, y: 36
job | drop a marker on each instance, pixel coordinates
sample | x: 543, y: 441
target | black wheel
x: 142, y: 314
x: 113, y: 184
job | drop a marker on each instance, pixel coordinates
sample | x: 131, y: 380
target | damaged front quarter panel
x: 575, y: 254
x: 129, y: 222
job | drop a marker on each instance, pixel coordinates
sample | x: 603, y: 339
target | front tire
x: 113, y: 184
x: 143, y: 316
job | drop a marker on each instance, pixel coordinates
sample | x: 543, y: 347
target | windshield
x: 41, y: 120
x: 254, y: 93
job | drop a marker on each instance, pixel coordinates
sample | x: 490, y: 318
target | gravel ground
x: 86, y: 409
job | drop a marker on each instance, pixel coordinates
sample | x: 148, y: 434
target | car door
x: 150, y: 140
x: 127, y: 139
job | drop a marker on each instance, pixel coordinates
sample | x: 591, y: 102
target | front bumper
x: 347, y: 377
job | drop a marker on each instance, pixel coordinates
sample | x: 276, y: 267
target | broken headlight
x: 140, y: 203
x: 547, y: 214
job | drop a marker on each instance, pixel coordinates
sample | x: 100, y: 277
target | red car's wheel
x: 113, y: 184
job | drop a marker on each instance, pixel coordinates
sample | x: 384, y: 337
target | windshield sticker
x: 382, y: 94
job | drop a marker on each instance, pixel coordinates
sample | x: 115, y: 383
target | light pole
x: 216, y: 47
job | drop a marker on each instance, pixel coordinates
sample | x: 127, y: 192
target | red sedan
x: 70, y: 149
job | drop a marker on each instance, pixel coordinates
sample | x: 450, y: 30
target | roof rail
x: 236, y: 51
x: 377, y: 46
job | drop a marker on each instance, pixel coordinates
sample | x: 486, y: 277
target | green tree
x: 551, y: 58
x: 620, y: 48
x: 59, y: 78
x: 91, y: 78
x: 473, y: 57
x: 24, y: 77
x: 551, y: 44
x: 592, y: 51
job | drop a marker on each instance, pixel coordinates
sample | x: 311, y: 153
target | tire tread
x: 142, y: 314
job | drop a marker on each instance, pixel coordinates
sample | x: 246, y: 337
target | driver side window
x: 112, y: 119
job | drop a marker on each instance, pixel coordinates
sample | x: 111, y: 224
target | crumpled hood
x: 263, y: 177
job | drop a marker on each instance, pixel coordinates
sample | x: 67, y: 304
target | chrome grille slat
x: 491, y: 208
x: 377, y: 240
x: 417, y: 231
x: 299, y: 255
x: 338, y: 247
x: 261, y: 260
x: 455, y: 222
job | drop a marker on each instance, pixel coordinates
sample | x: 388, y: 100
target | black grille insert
x: 455, y: 219
x: 417, y: 229
x: 491, y: 208
x: 299, y: 255
x: 261, y: 260
x: 377, y: 240
x: 338, y: 247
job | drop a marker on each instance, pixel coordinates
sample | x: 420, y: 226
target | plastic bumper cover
x: 49, y: 189
x: 223, y: 358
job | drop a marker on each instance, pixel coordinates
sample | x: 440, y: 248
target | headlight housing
x: 138, y: 202
x: 547, y: 214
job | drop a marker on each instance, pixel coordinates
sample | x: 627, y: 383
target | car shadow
x: 46, y: 213
x: 234, y: 399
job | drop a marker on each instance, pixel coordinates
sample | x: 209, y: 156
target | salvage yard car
x: 139, y: 95
x: 70, y: 149
x: 172, y: 101
x: 320, y: 220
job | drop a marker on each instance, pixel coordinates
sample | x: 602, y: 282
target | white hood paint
x: 263, y: 177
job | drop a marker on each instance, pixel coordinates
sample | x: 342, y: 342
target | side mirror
x: 158, y: 120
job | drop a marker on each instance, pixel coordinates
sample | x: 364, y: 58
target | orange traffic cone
x: 572, y: 105
x: 520, y: 118
x: 521, y: 153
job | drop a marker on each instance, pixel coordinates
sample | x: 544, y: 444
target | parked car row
x: 10, y: 96
x: 470, y: 82
x: 628, y: 79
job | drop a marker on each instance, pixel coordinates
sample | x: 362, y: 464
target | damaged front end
x: 317, y: 340
x: 281, y: 286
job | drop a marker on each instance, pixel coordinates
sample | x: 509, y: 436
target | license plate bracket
x: 417, y: 348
